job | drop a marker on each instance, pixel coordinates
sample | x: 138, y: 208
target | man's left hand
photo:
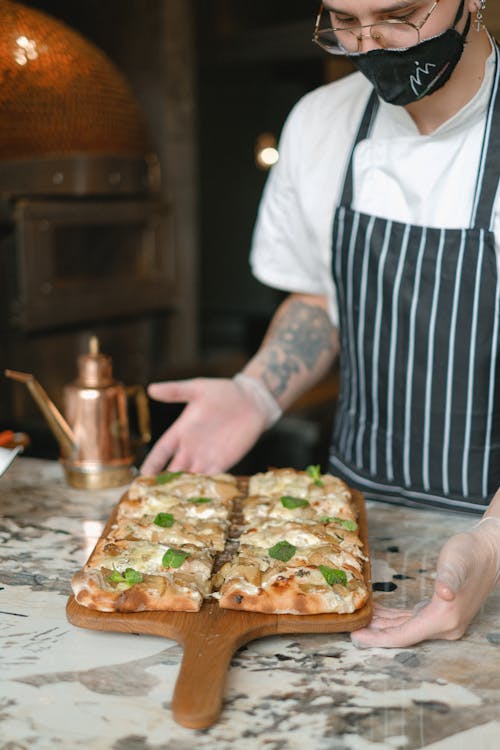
x: 467, y: 571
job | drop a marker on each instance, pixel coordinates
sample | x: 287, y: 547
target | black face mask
x: 405, y: 76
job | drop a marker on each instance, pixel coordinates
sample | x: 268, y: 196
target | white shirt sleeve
x: 291, y: 247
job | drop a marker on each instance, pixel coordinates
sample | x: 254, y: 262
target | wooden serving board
x: 211, y: 636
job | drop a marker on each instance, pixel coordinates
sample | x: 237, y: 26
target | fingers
x: 388, y: 613
x: 174, y: 391
x: 394, y: 633
x: 435, y: 619
x: 159, y: 455
x: 386, y: 621
x: 184, y: 460
x: 392, y: 637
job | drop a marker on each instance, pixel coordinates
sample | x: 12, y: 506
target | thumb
x: 173, y: 391
x: 453, y: 569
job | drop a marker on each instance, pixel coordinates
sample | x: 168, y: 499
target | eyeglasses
x: 346, y: 37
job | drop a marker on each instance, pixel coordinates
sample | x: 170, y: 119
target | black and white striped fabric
x: 418, y: 420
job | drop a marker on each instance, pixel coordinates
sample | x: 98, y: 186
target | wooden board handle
x: 210, y: 639
x: 199, y: 690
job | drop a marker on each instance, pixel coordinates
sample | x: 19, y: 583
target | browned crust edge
x: 284, y: 598
x: 88, y: 591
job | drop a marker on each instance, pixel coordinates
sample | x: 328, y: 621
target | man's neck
x: 432, y: 111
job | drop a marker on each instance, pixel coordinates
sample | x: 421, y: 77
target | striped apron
x: 418, y: 420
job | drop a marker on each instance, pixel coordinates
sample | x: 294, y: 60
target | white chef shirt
x: 398, y: 174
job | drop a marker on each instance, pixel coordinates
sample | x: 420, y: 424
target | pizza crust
x: 162, y: 588
x: 92, y: 590
x: 286, y: 597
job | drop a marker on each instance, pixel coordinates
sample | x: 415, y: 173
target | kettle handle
x: 141, y: 403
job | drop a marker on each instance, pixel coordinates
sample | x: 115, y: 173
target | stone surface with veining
x: 66, y: 687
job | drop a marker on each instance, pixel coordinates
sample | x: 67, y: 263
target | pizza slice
x: 285, y: 579
x: 191, y: 498
x: 310, y: 484
x: 182, y: 484
x: 172, y: 528
x: 261, y: 508
x: 305, y: 534
x: 133, y: 576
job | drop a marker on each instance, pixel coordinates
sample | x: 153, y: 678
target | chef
x: 382, y: 221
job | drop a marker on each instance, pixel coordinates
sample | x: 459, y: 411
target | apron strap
x: 487, y: 176
x: 363, y: 131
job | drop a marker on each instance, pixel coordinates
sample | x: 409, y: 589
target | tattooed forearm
x: 300, y: 342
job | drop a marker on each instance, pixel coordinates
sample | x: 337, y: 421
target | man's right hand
x: 220, y: 423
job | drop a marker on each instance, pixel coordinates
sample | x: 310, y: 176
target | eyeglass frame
x: 343, y: 51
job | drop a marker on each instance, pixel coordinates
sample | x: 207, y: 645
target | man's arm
x: 223, y: 418
x: 298, y: 349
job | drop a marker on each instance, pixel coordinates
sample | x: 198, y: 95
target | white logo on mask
x: 416, y: 82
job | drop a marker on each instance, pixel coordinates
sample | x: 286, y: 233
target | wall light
x: 266, y: 151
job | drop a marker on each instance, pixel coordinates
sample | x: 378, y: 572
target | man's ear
x: 475, y: 5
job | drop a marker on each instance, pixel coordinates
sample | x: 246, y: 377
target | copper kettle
x: 94, y: 435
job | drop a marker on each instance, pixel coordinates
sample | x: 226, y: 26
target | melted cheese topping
x: 298, y: 484
x: 220, y: 487
x: 146, y: 558
x: 258, y: 508
x: 252, y: 561
x: 182, y: 507
x: 298, y: 534
x: 201, y: 535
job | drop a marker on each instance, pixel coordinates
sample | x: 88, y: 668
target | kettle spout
x: 60, y: 428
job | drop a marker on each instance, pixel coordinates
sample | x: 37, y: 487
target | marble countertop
x: 66, y: 687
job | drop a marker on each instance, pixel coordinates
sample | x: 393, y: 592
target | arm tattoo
x: 297, y: 340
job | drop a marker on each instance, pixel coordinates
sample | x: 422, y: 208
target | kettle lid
x: 94, y: 369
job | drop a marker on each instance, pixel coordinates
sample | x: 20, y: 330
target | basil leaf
x: 314, y: 471
x: 116, y: 577
x: 165, y: 520
x: 168, y: 476
x: 173, y: 558
x: 199, y: 500
x: 283, y: 551
x: 132, y: 576
x: 346, y: 523
x: 333, y: 575
x: 291, y: 503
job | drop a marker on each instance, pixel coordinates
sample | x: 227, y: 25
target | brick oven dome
x: 59, y: 94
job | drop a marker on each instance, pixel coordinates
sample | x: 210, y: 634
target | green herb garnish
x: 346, y: 523
x: 130, y: 576
x: 173, y: 558
x: 333, y: 575
x: 291, y: 503
x: 167, y: 476
x: 314, y: 471
x: 199, y: 500
x: 283, y: 551
x: 165, y: 520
